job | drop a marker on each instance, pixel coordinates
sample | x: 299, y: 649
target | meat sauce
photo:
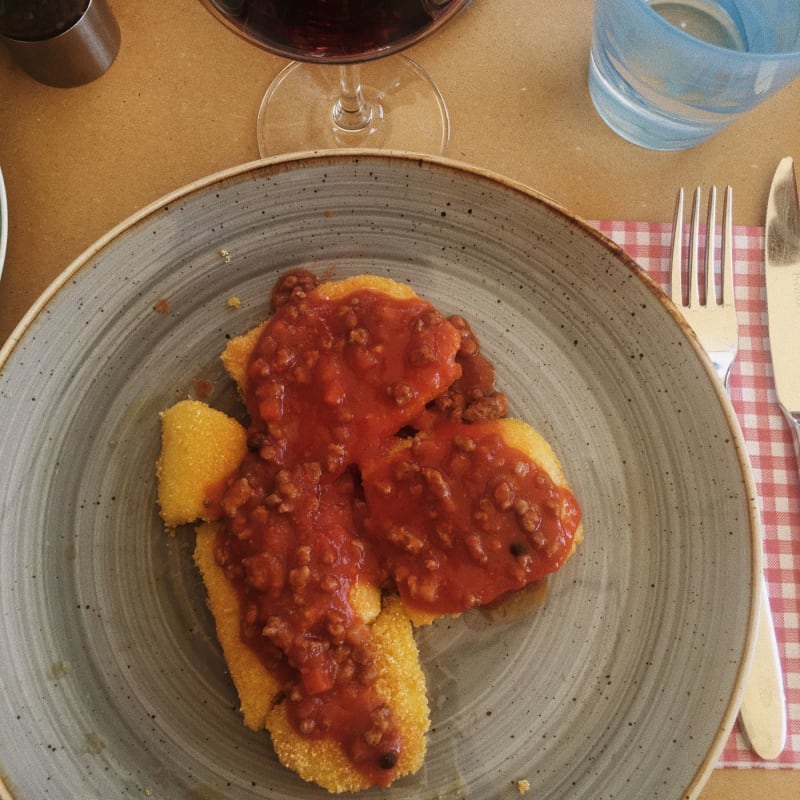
x: 371, y: 459
x: 458, y: 518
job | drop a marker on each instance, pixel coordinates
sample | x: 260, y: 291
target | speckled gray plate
x: 622, y: 685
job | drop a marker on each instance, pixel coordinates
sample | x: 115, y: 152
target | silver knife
x: 763, y: 711
x: 783, y: 290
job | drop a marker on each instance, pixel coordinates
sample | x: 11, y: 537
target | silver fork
x: 713, y: 319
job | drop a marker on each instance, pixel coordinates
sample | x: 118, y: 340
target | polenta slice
x: 257, y: 687
x: 200, y: 447
x: 400, y: 682
x: 484, y: 508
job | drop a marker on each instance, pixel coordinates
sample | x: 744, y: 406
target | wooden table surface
x: 181, y: 99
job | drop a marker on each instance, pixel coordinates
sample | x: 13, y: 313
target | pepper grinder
x: 60, y: 43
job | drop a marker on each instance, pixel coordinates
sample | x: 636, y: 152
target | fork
x: 713, y: 319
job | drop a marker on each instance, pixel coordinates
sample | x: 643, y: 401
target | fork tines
x: 678, y: 288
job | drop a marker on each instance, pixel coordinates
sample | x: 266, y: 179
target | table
x: 180, y: 102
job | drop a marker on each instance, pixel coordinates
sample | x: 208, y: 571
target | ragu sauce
x: 372, y: 458
x: 458, y: 518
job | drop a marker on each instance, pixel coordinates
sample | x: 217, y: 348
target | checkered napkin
x: 769, y: 445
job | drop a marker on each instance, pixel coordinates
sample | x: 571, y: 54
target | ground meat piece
x: 292, y: 286
x: 469, y: 342
x: 488, y: 407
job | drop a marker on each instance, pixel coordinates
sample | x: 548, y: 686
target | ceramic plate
x: 623, y: 684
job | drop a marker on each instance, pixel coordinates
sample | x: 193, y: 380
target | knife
x: 783, y: 290
x: 763, y: 710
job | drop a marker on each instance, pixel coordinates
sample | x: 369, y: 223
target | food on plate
x: 481, y: 506
x: 200, y: 447
x: 379, y: 484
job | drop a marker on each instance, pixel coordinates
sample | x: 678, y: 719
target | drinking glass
x: 668, y: 74
x: 346, y: 85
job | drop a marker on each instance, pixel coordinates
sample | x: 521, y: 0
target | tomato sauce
x: 329, y: 379
x: 371, y: 457
x: 458, y: 518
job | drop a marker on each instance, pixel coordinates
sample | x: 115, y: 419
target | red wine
x: 335, y: 30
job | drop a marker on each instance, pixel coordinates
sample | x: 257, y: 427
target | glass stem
x: 351, y: 111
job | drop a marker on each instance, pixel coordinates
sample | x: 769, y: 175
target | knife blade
x: 782, y: 263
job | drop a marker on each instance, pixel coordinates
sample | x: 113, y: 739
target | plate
x: 3, y: 223
x: 623, y: 684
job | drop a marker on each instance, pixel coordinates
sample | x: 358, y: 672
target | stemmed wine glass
x: 340, y: 89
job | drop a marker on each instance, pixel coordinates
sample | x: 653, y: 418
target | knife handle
x: 763, y: 709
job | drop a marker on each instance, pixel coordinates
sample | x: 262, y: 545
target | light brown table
x: 180, y: 102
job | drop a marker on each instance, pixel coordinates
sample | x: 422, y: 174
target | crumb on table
x: 523, y: 786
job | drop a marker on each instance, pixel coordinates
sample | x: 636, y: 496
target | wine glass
x: 340, y: 89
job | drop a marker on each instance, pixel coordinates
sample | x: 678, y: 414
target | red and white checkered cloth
x: 769, y: 445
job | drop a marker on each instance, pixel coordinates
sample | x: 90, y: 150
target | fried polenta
x: 401, y: 680
x: 200, y: 447
x: 303, y: 485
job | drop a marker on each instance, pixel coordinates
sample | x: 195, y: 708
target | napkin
x: 769, y: 446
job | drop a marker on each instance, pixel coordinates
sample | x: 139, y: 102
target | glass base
x: 407, y: 111
x: 634, y: 118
